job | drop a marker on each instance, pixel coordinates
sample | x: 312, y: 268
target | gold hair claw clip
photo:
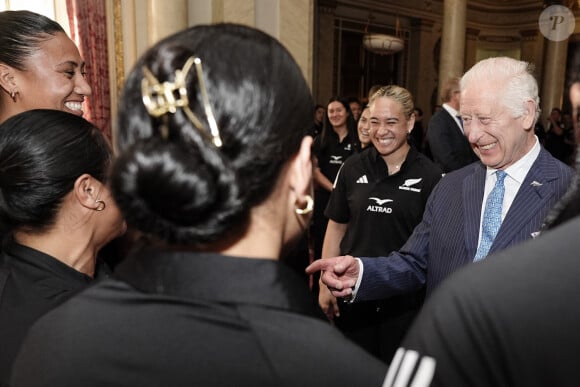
x: 167, y: 97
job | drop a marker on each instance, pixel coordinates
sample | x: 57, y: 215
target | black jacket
x: 189, y: 319
x: 448, y: 145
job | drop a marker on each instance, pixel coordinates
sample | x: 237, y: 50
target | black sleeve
x: 337, y: 208
x: 451, y: 343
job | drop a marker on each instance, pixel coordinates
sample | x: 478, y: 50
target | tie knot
x: 500, y: 175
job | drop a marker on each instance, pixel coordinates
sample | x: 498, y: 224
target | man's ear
x: 86, y: 191
x: 529, y: 115
x: 301, y: 169
x: 7, y: 78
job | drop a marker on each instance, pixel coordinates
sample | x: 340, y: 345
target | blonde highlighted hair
x: 397, y: 93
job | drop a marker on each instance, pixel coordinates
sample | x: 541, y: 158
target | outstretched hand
x: 339, y: 274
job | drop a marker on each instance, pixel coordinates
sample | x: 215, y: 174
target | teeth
x: 488, y: 146
x: 74, y: 105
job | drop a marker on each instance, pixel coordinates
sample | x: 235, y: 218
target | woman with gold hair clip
x: 214, y: 168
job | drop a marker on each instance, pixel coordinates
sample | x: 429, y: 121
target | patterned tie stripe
x: 491, y: 217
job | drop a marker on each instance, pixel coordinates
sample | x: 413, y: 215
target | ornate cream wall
x: 144, y: 22
x: 137, y: 24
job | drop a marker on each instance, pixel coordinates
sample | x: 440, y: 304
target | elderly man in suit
x: 499, y: 106
x: 509, y: 298
x: 446, y: 140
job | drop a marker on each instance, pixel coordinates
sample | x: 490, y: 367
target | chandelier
x: 383, y: 44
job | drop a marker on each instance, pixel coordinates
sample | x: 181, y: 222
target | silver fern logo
x: 410, y: 182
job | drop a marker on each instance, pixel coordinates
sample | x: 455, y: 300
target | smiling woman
x: 40, y: 66
x: 380, y: 191
x: 337, y: 142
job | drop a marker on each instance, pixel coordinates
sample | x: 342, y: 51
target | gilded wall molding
x: 119, y: 53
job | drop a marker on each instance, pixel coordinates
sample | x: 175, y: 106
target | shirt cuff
x: 352, y: 297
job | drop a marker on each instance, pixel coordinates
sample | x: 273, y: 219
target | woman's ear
x: 301, y: 169
x: 7, y: 78
x: 411, y: 123
x: 86, y: 191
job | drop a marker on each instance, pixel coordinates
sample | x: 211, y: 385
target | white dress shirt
x: 516, y: 173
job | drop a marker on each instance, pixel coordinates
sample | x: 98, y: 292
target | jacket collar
x: 218, y: 278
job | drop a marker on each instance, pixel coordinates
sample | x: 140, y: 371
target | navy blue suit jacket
x: 449, y: 147
x: 447, y: 237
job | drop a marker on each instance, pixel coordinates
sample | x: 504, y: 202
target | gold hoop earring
x: 100, y: 205
x: 308, y: 208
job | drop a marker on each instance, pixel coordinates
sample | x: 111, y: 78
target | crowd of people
x: 442, y: 254
x: 202, y: 298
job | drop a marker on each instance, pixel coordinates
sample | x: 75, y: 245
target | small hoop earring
x: 309, y: 206
x: 13, y: 95
x: 100, y: 205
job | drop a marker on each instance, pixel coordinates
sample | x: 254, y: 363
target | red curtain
x: 87, y: 19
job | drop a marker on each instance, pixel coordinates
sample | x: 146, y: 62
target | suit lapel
x: 535, y: 190
x: 451, y: 122
x: 473, y: 186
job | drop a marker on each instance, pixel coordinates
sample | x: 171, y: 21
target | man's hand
x: 339, y: 274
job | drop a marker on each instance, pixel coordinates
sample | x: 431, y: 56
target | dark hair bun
x: 171, y: 180
x: 173, y: 192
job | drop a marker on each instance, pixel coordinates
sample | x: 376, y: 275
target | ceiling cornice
x: 505, y: 6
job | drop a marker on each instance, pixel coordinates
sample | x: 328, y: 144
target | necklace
x: 395, y: 167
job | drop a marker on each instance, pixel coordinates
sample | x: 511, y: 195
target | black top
x: 314, y: 130
x: 333, y: 153
x: 510, y: 320
x: 376, y: 205
x: 31, y: 283
x: 415, y: 138
x: 381, y: 211
x: 185, y: 319
x: 561, y: 146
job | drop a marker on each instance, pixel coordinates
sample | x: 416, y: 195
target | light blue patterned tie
x: 491, y: 217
